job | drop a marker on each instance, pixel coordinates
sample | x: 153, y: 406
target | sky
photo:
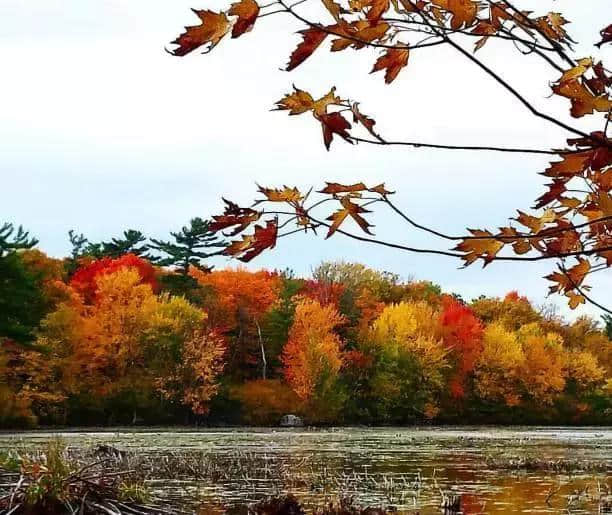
x: 102, y: 130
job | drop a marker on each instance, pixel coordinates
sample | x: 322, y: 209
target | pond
x: 491, y: 470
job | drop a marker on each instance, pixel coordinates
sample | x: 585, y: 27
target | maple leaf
x: 381, y: 190
x: 533, y: 222
x: 348, y: 209
x: 463, y: 12
x: 377, y: 9
x: 583, y: 101
x: 606, y: 36
x: 234, y: 215
x: 297, y: 102
x: 358, y: 34
x: 311, y: 40
x: 334, y: 188
x: 552, y: 26
x: 334, y: 123
x: 568, y: 280
x: 486, y: 248
x: 334, y: 9
x: 555, y: 190
x: 485, y: 29
x: 575, y: 299
x: 570, y: 165
x: 250, y: 246
x: 247, y: 12
x: 214, y: 26
x: 393, y: 60
x: 366, y: 121
x: 291, y: 195
x: 300, y: 102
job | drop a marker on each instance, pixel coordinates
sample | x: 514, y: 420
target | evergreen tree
x: 22, y: 303
x: 188, y: 247
x: 608, y: 325
x: 130, y: 243
x: 10, y: 242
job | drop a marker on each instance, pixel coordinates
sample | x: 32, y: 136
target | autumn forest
x: 137, y: 331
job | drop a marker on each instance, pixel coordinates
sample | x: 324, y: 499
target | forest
x: 139, y: 331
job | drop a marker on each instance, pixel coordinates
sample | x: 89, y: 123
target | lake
x: 492, y: 470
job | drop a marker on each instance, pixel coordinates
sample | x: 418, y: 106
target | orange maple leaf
x: 247, y: 12
x: 348, y: 209
x: 393, y: 60
x: 214, y: 26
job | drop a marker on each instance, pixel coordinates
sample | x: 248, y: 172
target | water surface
x: 409, y: 468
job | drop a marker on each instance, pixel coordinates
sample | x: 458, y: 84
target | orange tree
x: 572, y: 222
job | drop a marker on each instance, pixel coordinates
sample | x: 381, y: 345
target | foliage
x: 349, y: 345
x: 84, y: 280
x: 22, y: 300
x: 265, y: 401
x: 409, y: 360
x: 313, y: 357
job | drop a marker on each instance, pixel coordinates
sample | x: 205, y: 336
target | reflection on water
x: 405, y: 467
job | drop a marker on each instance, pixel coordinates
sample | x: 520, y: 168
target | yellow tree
x: 313, y: 357
x: 497, y: 372
x: 409, y: 358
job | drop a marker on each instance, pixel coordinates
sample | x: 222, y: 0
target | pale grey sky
x: 102, y: 130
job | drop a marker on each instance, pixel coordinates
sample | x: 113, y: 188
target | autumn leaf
x: 568, y: 281
x: 334, y: 123
x: 358, y: 34
x: 484, y: 29
x: 234, y: 215
x: 300, y: 102
x: 551, y: 25
x: 606, y: 36
x: 555, y: 190
x: 334, y: 188
x: 250, y: 246
x: 297, y: 102
x: 393, y: 60
x: 583, y: 101
x: 463, y: 12
x: 575, y: 299
x: 570, y: 165
x: 377, y: 9
x: 381, y: 190
x: 349, y: 209
x: 291, y: 195
x: 214, y: 26
x: 247, y: 12
x: 311, y: 39
x: 334, y: 9
x: 366, y: 121
x: 486, y: 246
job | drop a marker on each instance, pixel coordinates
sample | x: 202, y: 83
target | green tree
x: 131, y: 242
x: 22, y: 301
x: 188, y: 247
x: 11, y: 242
x: 608, y: 325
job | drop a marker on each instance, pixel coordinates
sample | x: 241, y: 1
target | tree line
x: 133, y: 330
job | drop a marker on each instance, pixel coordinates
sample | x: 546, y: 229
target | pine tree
x: 188, y: 246
x: 130, y: 243
x: 10, y: 242
x: 608, y: 325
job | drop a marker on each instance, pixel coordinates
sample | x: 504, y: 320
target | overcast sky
x: 102, y: 130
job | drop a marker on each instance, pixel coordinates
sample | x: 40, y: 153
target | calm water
x: 405, y: 467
